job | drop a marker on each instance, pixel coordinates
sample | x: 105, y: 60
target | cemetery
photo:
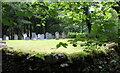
x: 60, y: 37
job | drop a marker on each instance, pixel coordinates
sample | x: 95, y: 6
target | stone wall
x: 59, y: 63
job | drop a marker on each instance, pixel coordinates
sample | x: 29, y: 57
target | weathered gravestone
x: 57, y: 35
x: 4, y: 37
x: 24, y: 35
x: 47, y: 35
x: 63, y: 35
x: 53, y: 37
x: 34, y: 36
x: 27, y: 38
x: 42, y: 37
x: 15, y: 37
x: 50, y: 36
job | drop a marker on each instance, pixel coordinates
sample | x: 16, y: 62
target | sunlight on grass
x: 42, y: 46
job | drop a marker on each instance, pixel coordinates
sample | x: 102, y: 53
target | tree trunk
x: 30, y: 30
x: 88, y: 18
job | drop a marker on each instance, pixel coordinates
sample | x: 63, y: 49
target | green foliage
x: 61, y: 44
x: 41, y: 56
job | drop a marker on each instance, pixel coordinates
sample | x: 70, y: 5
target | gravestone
x: 63, y: 35
x: 24, y: 35
x: 15, y: 37
x: 53, y: 37
x: 27, y: 38
x: 7, y: 38
x: 50, y: 36
x: 47, y: 35
x: 39, y: 36
x: 4, y: 37
x: 34, y: 36
x: 42, y: 37
x: 0, y: 39
x: 57, y: 35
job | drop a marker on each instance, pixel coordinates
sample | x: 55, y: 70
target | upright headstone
x: 24, y: 35
x: 63, y: 35
x: 34, y: 36
x: 47, y: 35
x: 4, y: 37
x: 7, y: 38
x: 53, y: 37
x: 15, y: 37
x: 27, y: 38
x: 0, y: 39
x: 50, y: 36
x: 57, y: 35
x: 42, y: 37
x: 39, y: 36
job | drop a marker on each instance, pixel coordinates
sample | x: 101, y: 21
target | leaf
x: 77, y: 36
x: 58, y: 45
x: 21, y: 13
x: 40, y: 56
x: 61, y: 44
x: 43, y: 24
x: 29, y: 14
x: 37, y: 24
x: 5, y: 21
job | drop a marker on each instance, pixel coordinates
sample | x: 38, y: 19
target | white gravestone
x: 15, y: 37
x: 57, y: 35
x: 24, y: 35
x: 63, y: 35
x: 27, y: 38
x: 39, y: 36
x: 0, y: 39
x: 7, y: 38
x: 47, y: 35
x: 34, y: 36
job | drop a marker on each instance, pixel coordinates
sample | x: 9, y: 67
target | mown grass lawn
x: 43, y: 46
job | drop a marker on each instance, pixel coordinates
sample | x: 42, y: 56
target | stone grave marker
x: 57, y: 35
x: 50, y: 36
x: 39, y: 36
x: 15, y: 37
x: 53, y: 37
x: 47, y: 35
x: 4, y: 37
x: 34, y: 36
x: 27, y: 38
x: 24, y: 35
x: 7, y: 38
x: 63, y: 35
x: 0, y: 39
x: 42, y: 37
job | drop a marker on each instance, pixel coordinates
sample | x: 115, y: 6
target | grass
x: 43, y: 46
